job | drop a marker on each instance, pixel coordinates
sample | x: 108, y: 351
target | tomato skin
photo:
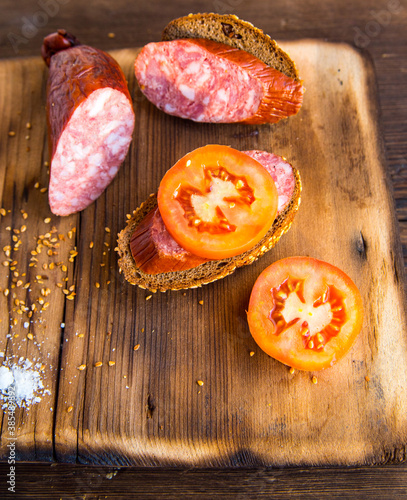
x: 292, y: 345
x: 217, y: 202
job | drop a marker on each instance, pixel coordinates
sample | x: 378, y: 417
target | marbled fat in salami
x: 207, y: 81
x: 90, y: 121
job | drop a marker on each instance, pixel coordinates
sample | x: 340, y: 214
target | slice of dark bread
x: 208, y: 271
x: 231, y: 30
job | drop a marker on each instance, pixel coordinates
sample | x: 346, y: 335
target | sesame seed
x: 11, y: 133
x: 201, y: 302
x: 314, y: 380
x: 136, y: 347
x: 91, y: 244
x: 251, y: 353
x: 111, y: 35
x: 112, y: 363
x: 43, y: 190
x: 367, y: 378
x: 107, y: 229
x: 200, y: 382
x: 30, y: 336
x: 99, y: 363
x: 28, y: 125
x: 47, y: 220
x: 292, y: 370
x: 81, y: 367
x: 97, y: 285
x: 69, y: 409
x: 148, y: 297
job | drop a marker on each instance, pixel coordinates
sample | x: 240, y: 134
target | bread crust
x: 230, y: 30
x: 208, y: 271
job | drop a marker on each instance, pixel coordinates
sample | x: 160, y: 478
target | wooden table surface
x: 378, y: 27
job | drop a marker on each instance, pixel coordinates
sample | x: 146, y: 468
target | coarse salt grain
x: 27, y: 382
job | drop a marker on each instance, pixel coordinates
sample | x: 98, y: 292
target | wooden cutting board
x: 145, y: 406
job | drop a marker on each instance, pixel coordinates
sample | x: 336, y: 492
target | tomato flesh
x: 217, y: 202
x: 305, y: 313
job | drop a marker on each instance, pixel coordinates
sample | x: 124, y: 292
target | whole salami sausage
x: 90, y: 121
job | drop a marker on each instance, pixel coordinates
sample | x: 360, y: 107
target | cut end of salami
x: 281, y: 172
x: 207, y: 81
x: 90, y: 150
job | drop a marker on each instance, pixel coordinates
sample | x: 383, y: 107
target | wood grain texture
x: 67, y: 482
x: 147, y: 408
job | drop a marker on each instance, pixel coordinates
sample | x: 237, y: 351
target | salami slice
x: 155, y: 251
x: 90, y: 121
x: 207, y: 81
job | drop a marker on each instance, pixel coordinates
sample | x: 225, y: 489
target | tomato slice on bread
x: 305, y: 313
x: 217, y: 202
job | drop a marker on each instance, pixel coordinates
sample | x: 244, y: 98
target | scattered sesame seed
x: 97, y: 285
x: 30, y: 336
x: 91, y: 244
x: 43, y: 190
x: 11, y: 133
x: 3, y: 212
x: 99, y: 363
x: 367, y: 378
x: 69, y: 409
x: 251, y: 353
x: 292, y: 370
x: 314, y: 380
x: 47, y: 220
x: 112, y: 363
x: 81, y: 367
x: 28, y: 125
x: 200, y: 382
x: 111, y: 35
x: 107, y: 229
x: 36, y: 185
x: 201, y: 302
x: 136, y: 347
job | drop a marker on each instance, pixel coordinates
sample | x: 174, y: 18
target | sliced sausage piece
x: 155, y: 251
x: 207, y: 81
x: 90, y: 121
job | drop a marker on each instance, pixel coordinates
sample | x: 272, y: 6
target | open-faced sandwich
x: 218, y: 68
x: 216, y: 209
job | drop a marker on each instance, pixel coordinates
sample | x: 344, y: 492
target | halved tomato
x: 305, y: 313
x: 217, y: 202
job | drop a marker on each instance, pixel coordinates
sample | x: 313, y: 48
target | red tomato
x: 305, y: 313
x: 217, y: 202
